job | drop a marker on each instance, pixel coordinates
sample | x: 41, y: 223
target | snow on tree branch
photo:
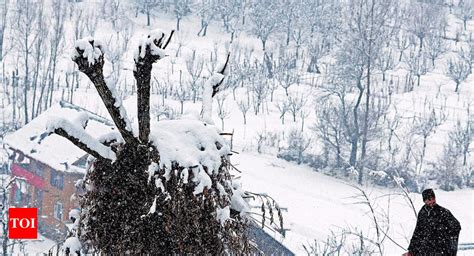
x: 80, y: 138
x: 89, y: 57
x: 211, y: 88
x: 150, y: 49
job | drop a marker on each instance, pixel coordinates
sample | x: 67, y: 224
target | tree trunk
x: 148, y: 17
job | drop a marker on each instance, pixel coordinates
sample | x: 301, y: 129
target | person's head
x: 429, y: 197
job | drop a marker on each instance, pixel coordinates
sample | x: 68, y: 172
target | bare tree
x: 317, y: 48
x: 244, y: 107
x: 435, y: 46
x: 259, y: 90
x: 3, y: 24
x: 282, y: 107
x: 206, y: 11
x: 38, y: 56
x: 403, y: 43
x: 264, y: 22
x: 295, y: 103
x: 458, y: 70
x: 26, y: 34
x: 425, y: 17
x: 425, y: 126
x: 230, y: 13
x: 385, y: 61
x: 222, y: 111
x: 148, y: 7
x: 181, y: 8
x: 369, y: 29
x: 181, y: 91
x: 56, y: 43
x: 194, y: 66
x: 465, y: 11
x: 285, y: 73
x: 417, y: 64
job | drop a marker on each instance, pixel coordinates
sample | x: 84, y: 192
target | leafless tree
x: 424, y: 126
x: 264, y: 22
x: 465, y: 11
x: 206, y: 11
x: 458, y: 70
x: 369, y: 29
x: 259, y: 90
x: 435, y: 46
x: 385, y: 61
x: 403, y: 43
x: 222, y: 111
x: 244, y: 106
x: 181, y: 8
x: 56, y: 42
x: 417, y: 64
x: 148, y: 7
x: 282, y: 107
x: 295, y: 103
x: 4, y: 6
x: 317, y: 48
x: 194, y: 66
x: 182, y: 91
x: 425, y: 17
x: 26, y: 34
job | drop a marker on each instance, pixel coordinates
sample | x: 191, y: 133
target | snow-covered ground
x: 318, y: 204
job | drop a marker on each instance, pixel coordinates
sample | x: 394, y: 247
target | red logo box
x: 23, y: 223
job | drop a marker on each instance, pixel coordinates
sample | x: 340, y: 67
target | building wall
x: 46, y: 197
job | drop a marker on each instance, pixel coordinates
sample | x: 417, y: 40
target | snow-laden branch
x: 211, y: 88
x: 89, y: 56
x: 80, y: 138
x: 150, y: 49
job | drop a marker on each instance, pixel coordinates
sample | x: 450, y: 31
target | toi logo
x: 23, y: 223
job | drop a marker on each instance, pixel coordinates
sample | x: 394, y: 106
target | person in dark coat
x: 436, y: 231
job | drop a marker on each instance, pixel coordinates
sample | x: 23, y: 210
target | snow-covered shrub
x: 452, y: 169
x: 267, y: 140
x: 296, y: 145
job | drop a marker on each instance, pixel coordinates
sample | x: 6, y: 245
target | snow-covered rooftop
x: 54, y: 150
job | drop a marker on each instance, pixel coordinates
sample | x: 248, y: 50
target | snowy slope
x: 318, y: 204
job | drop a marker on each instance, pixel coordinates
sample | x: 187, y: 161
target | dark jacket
x: 436, y: 232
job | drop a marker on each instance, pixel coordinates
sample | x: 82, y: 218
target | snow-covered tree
x: 141, y: 196
x: 297, y: 144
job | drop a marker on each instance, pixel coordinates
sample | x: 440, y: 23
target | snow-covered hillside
x: 384, y: 112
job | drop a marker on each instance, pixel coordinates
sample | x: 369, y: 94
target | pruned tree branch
x: 89, y: 57
x: 223, y: 71
x: 211, y: 88
x: 78, y: 143
x: 149, y: 51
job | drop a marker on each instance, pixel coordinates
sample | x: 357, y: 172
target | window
x: 21, y: 193
x: 57, y: 179
x: 18, y: 195
x: 36, y: 168
x: 58, y: 211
